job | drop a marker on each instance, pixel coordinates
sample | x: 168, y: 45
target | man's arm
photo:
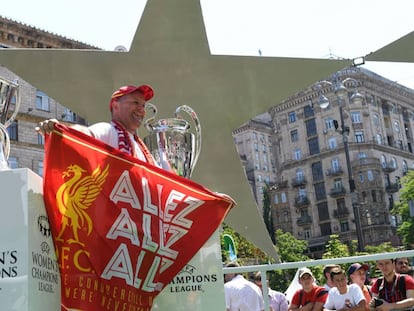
x: 402, y: 304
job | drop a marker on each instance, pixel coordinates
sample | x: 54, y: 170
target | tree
x: 267, y: 213
x: 402, y: 209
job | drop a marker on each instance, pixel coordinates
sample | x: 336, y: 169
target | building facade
x: 312, y: 197
x: 26, y: 144
x: 253, y: 143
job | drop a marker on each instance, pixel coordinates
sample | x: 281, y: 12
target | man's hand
x: 46, y: 126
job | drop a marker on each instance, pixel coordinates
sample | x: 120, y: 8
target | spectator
x: 310, y: 297
x: 327, y: 274
x: 241, y: 294
x: 402, y: 265
x: 343, y: 296
x: 357, y: 274
x: 277, y: 300
x: 395, y: 290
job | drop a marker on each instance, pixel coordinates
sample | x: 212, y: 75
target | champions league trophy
x: 170, y: 140
x: 8, y: 91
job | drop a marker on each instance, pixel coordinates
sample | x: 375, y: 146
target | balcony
x: 304, y: 220
x: 392, y: 187
x: 338, y: 191
x: 301, y: 201
x: 334, y: 171
x: 388, y: 167
x: 341, y: 212
x: 297, y: 182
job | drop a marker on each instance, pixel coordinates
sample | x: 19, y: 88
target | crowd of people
x: 344, y: 290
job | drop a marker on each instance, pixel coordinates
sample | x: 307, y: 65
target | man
x: 343, y: 296
x: 311, y: 297
x: 357, y: 274
x: 395, y: 291
x: 402, y: 265
x: 127, y: 106
x: 277, y: 300
x: 327, y: 274
x: 241, y: 294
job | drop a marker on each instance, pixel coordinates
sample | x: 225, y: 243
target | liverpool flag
x: 122, y: 228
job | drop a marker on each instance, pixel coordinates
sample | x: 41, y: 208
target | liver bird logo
x: 75, y: 196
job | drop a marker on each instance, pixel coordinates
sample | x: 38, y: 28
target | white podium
x: 29, y: 272
x: 200, y: 285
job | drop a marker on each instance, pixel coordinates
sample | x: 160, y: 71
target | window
x: 40, y: 169
x: 308, y: 111
x: 332, y: 143
x: 393, y: 163
x: 362, y: 155
x: 294, y: 135
x: 307, y: 234
x: 329, y: 123
x: 335, y: 164
x: 356, y: 117
x: 292, y: 117
x: 42, y: 101
x: 323, y: 211
x: 320, y: 192
x: 383, y: 161
x: 397, y: 126
x: 311, y: 127
x: 338, y: 183
x: 326, y: 229
x: 375, y: 119
x: 361, y: 178
x: 299, y: 174
x: 370, y: 175
x: 13, y: 163
x: 12, y: 131
x: 378, y: 139
x: 283, y: 197
x: 344, y: 226
x: 317, y: 172
x: 256, y: 147
x: 40, y: 140
x: 302, y: 192
x: 69, y: 115
x: 313, y: 144
x: 297, y: 154
x: 276, y: 199
x: 359, y: 137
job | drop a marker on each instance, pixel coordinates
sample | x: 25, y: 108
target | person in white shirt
x: 344, y: 297
x: 277, y: 300
x: 241, y: 294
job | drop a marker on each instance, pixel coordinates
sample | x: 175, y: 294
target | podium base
x: 29, y: 272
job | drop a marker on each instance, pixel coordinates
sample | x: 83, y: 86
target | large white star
x: 170, y: 51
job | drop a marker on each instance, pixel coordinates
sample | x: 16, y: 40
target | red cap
x: 145, y: 90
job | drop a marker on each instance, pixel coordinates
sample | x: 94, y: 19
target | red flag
x: 122, y: 228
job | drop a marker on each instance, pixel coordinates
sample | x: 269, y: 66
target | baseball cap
x: 356, y: 266
x: 304, y: 271
x: 144, y: 89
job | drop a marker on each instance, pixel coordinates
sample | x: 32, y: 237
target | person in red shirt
x: 310, y: 297
x: 396, y: 291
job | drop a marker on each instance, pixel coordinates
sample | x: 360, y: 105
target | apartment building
x: 312, y: 197
x: 253, y: 143
x: 26, y: 143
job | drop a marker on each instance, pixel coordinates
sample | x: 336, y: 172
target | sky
x: 289, y: 28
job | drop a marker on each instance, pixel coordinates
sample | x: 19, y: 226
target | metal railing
x: 311, y: 263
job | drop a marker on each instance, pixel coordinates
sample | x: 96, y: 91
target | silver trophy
x: 174, y: 144
x: 9, y: 93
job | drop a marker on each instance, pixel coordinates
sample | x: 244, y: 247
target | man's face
x: 306, y: 281
x: 129, y: 110
x: 340, y: 282
x: 386, y: 266
x: 402, y: 265
x: 359, y: 276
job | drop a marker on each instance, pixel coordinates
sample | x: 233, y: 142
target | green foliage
x: 406, y: 229
x: 335, y: 248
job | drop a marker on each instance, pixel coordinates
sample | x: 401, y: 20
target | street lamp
x: 356, y: 98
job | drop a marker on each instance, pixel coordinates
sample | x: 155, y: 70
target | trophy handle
x: 196, y: 121
x: 10, y: 91
x: 153, y: 110
x: 5, y: 145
